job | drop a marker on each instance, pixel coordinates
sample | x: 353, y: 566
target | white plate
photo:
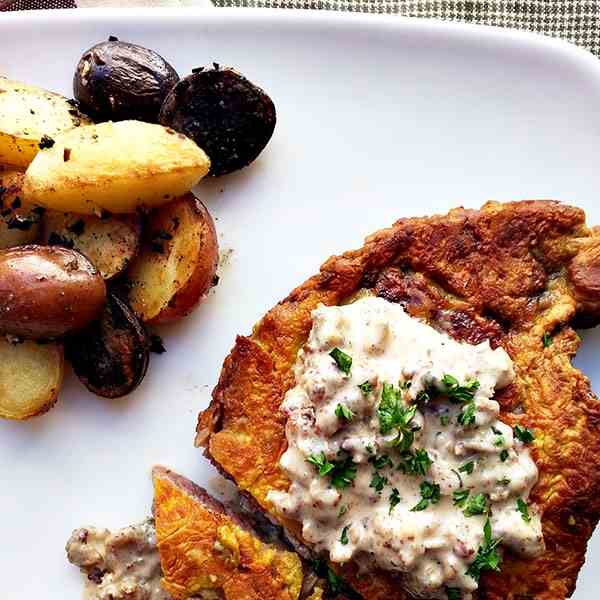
x: 377, y: 118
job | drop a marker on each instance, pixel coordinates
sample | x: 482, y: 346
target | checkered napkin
x: 575, y: 20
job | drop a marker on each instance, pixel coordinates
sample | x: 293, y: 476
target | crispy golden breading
x: 204, y: 547
x: 509, y: 273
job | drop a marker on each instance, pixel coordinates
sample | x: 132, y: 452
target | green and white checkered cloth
x: 575, y: 20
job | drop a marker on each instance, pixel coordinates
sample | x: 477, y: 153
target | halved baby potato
x: 30, y: 377
x: 108, y: 243
x: 116, y: 167
x: 30, y: 116
x: 19, y: 224
x: 177, y: 262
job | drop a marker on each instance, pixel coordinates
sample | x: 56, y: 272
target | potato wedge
x: 27, y: 114
x: 18, y: 224
x: 30, y: 378
x: 108, y: 243
x: 115, y: 167
x: 177, y: 262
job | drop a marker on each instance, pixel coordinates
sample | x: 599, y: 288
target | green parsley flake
x: 453, y: 593
x: 459, y: 394
x: 366, y: 388
x: 459, y: 497
x: 467, y: 467
x: 430, y: 494
x: 499, y: 441
x: 504, y: 481
x: 467, y: 416
x: 524, y: 434
x: 523, y: 508
x: 487, y: 558
x: 504, y: 455
x: 344, y: 536
x: 477, y: 505
x: 320, y: 461
x: 380, y: 462
x: 394, y: 499
x: 444, y: 420
x: 546, y: 339
x: 342, y: 360
x: 341, y: 472
x: 343, y: 412
x: 378, y: 482
x: 393, y: 414
x: 416, y: 463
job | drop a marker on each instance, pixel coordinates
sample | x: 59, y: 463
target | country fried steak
x: 520, y: 275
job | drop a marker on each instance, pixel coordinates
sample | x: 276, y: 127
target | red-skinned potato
x: 47, y: 292
x: 177, y: 262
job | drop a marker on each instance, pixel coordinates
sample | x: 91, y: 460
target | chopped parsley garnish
x: 366, y: 388
x: 416, y: 463
x: 546, y: 339
x: 378, y: 482
x: 344, y: 413
x: 453, y: 593
x: 341, y: 472
x: 394, y: 499
x: 430, y: 494
x: 336, y: 584
x: 504, y: 481
x: 499, y: 441
x: 477, y: 505
x: 342, y: 360
x: 459, y: 394
x: 467, y: 467
x: 343, y: 510
x: 467, y: 416
x: 320, y: 461
x: 488, y: 558
x: 504, y: 455
x: 344, y: 536
x: 459, y: 497
x: 496, y: 431
x: 380, y: 462
x: 393, y: 414
x: 523, y: 508
x: 444, y: 420
x: 524, y: 434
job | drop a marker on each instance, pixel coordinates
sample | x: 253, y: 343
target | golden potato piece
x: 27, y: 114
x: 115, y: 167
x: 30, y: 377
x: 108, y: 243
x: 19, y: 224
x: 177, y: 262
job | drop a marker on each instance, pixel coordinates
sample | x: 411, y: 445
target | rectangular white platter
x: 378, y: 118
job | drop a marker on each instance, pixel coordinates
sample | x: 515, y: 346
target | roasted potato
x: 177, y: 262
x: 228, y: 116
x: 30, y: 377
x: 19, y: 224
x: 115, y: 81
x: 110, y: 357
x: 30, y: 118
x: 115, y: 167
x: 46, y: 292
x: 108, y: 242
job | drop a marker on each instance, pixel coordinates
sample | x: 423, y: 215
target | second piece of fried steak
x: 518, y: 274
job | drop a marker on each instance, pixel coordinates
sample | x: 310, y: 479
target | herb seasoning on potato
x: 117, y: 81
x: 225, y: 114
